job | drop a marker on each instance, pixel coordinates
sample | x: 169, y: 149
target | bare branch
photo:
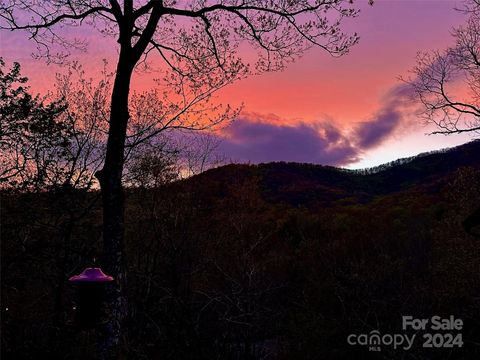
x: 46, y: 23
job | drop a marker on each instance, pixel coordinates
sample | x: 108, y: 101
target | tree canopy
x: 447, y: 82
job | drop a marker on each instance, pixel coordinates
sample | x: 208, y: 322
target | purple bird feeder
x: 91, y: 293
x: 91, y: 275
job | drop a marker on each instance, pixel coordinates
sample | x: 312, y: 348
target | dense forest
x: 269, y: 261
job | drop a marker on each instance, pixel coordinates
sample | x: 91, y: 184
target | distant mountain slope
x: 427, y: 167
x: 316, y: 185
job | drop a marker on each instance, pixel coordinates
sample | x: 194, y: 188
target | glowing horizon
x: 344, y: 111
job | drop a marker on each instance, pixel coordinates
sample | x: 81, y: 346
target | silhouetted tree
x: 33, y: 136
x: 54, y: 141
x: 199, y: 44
x: 436, y: 79
x: 437, y: 75
x: 49, y: 152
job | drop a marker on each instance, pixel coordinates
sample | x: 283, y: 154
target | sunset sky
x: 350, y: 111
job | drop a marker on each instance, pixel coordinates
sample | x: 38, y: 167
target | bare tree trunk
x: 112, y: 343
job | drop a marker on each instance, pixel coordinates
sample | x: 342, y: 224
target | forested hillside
x: 271, y: 261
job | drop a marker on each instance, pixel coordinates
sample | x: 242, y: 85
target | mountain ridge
x: 312, y: 185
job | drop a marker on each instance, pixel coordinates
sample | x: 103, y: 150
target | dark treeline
x: 238, y: 263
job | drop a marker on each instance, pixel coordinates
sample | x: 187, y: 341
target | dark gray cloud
x: 369, y: 134
x: 256, y: 141
x: 256, y: 138
x: 372, y: 133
